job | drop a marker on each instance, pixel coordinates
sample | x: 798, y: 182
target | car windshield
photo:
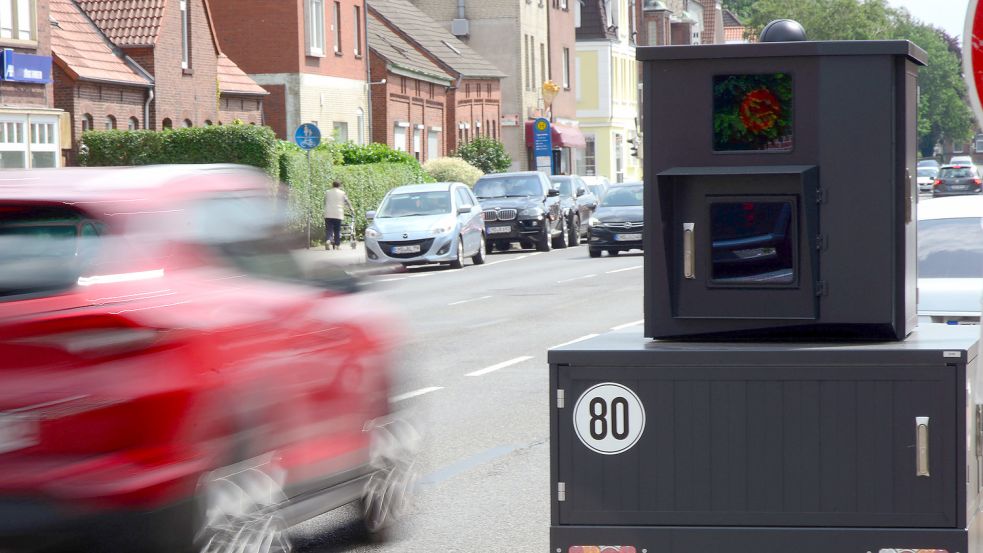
x: 508, y: 187
x: 927, y: 172
x: 957, y: 173
x: 565, y: 186
x: 950, y: 248
x: 623, y: 196
x: 415, y: 204
x: 596, y: 189
x: 43, y: 249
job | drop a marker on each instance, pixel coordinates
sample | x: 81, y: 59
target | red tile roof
x: 84, y: 52
x: 233, y: 80
x: 127, y: 22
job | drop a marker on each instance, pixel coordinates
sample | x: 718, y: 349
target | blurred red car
x: 171, y: 377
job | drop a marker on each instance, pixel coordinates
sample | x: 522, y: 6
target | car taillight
x: 938, y: 182
x: 977, y: 182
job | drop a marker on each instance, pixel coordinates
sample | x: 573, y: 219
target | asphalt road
x: 474, y: 373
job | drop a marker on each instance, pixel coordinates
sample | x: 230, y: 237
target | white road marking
x: 506, y: 260
x: 420, y: 275
x: 470, y: 300
x: 391, y: 279
x: 415, y: 393
x: 532, y: 254
x: 575, y: 278
x: 626, y: 325
x: 622, y: 270
x: 581, y: 339
x: 501, y: 365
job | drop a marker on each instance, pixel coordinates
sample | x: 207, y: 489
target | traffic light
x: 634, y: 146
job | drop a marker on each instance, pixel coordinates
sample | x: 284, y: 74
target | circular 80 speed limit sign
x: 609, y: 418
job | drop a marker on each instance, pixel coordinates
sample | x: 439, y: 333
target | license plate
x: 628, y: 237
x: 17, y: 432
x: 415, y: 248
x: 499, y: 230
x: 960, y: 186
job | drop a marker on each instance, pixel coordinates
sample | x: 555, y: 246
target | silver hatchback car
x: 420, y: 224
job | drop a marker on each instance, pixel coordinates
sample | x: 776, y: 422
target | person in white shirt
x: 335, y: 201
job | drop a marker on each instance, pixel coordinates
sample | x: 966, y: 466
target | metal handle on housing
x: 689, y: 271
x: 921, y: 446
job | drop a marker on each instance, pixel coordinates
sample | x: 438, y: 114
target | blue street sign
x: 26, y: 68
x: 542, y: 145
x: 308, y: 136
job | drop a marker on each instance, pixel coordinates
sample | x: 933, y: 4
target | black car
x: 521, y: 207
x: 576, y: 203
x: 955, y: 180
x: 618, y: 223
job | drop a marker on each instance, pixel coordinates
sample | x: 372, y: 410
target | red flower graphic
x: 760, y: 110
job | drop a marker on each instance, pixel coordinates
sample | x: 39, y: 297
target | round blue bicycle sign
x: 307, y: 136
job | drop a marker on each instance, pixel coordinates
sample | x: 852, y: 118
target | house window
x: 17, y: 19
x: 433, y: 144
x: 110, y: 122
x: 134, y: 124
x: 208, y: 122
x: 957, y: 147
x: 566, y: 69
x: 467, y: 91
x: 340, y: 131
x: 337, y: 27
x: 590, y: 161
x: 542, y: 62
x: 187, y: 124
x: 979, y: 143
x: 315, y: 27
x: 166, y: 123
x: 20, y: 150
x: 87, y: 123
x: 417, y: 142
x: 399, y: 138
x: 358, y: 31
x: 360, y: 123
x: 185, y: 37
x: 564, y: 5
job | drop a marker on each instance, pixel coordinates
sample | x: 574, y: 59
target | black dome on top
x: 782, y: 30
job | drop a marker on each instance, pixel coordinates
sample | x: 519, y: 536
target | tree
x: 943, y: 111
x: 487, y: 154
x: 741, y: 8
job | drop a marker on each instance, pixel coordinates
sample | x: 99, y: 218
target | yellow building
x: 607, y: 90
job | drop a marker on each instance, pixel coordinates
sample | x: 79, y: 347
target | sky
x: 948, y: 14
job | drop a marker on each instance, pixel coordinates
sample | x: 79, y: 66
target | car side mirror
x: 552, y: 193
x: 464, y: 209
x: 581, y: 191
x: 369, y: 215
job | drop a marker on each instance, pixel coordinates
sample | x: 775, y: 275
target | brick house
x: 568, y: 141
x: 474, y: 97
x: 308, y: 54
x: 174, y: 42
x: 665, y: 22
x: 31, y: 128
x: 409, y: 96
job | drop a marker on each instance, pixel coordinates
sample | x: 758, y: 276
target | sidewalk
x: 353, y: 259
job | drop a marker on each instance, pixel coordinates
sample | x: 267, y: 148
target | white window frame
x: 433, y: 144
x: 185, y: 36
x: 566, y: 69
x: 315, y: 27
x: 399, y: 137
x: 979, y: 144
x: 38, y: 133
x: 590, y: 155
x: 357, y: 16
x: 18, y: 21
x: 336, y: 26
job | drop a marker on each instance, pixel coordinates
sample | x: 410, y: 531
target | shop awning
x: 561, y: 135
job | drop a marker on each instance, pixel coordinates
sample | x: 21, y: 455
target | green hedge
x: 242, y: 144
x: 365, y: 184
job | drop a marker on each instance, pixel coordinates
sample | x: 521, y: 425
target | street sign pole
x: 308, y: 136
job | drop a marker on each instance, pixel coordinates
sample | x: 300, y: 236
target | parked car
x: 576, y: 203
x: 961, y: 160
x: 956, y: 180
x: 928, y: 163
x: 420, y: 224
x: 950, y: 260
x: 521, y: 207
x: 171, y: 377
x: 618, y: 223
x: 926, y: 178
x: 597, y: 185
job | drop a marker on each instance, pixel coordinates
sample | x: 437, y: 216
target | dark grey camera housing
x: 780, y: 194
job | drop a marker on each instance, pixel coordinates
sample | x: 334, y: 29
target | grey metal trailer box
x: 817, y: 138
x: 757, y: 447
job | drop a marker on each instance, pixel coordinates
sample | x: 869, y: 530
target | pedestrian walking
x: 335, y: 201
